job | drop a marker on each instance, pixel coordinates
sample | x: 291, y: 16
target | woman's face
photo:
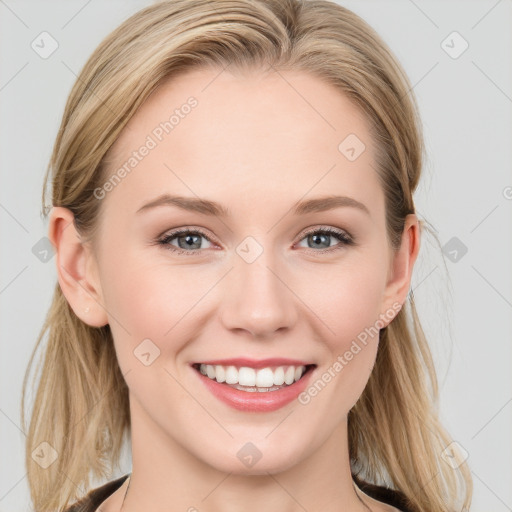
x: 252, y: 159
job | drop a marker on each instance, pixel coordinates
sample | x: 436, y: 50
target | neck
x: 165, y: 472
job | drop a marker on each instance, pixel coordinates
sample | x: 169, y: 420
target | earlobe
x: 76, y: 269
x: 399, y: 278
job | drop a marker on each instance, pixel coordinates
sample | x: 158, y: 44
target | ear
x: 76, y: 269
x: 401, y: 267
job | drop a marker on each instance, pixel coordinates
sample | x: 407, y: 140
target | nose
x: 257, y: 299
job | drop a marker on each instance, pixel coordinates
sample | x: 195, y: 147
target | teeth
x: 264, y: 378
x: 279, y: 376
x: 289, y: 376
x: 231, y: 374
x: 246, y: 376
x: 220, y: 373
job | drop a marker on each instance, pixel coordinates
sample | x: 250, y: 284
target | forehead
x: 207, y: 128
x: 253, y: 100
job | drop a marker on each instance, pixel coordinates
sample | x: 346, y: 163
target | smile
x: 251, y: 379
x: 253, y: 388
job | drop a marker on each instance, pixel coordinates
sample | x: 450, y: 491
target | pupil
x: 189, y: 240
x: 316, y: 239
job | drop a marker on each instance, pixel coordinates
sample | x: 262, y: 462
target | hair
x: 81, y: 405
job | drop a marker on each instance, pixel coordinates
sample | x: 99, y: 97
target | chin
x: 248, y: 458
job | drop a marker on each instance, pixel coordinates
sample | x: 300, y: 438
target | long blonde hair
x: 81, y: 405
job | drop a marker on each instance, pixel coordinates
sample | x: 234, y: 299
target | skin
x: 256, y: 143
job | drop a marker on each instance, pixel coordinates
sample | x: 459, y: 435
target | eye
x: 188, y: 240
x: 319, y: 238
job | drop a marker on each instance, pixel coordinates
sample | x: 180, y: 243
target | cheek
x: 149, y: 297
x: 348, y: 297
x: 348, y: 301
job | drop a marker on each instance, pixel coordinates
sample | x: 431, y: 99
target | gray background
x: 465, y: 299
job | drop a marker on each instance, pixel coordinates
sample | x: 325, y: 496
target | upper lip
x: 256, y: 363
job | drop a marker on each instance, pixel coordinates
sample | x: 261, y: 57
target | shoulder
x: 94, y: 498
x: 385, y: 498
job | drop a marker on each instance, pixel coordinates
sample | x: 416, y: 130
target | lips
x: 253, y: 399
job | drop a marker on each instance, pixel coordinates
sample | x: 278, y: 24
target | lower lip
x: 256, y: 401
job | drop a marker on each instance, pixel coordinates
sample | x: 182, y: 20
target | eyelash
x: 344, y: 238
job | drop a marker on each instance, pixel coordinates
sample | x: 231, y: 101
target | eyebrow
x: 207, y: 207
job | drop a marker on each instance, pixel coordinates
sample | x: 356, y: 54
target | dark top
x: 96, y: 497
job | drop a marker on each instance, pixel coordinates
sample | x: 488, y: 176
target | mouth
x: 255, y: 378
x: 255, y: 386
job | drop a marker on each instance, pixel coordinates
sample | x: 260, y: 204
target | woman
x: 235, y: 231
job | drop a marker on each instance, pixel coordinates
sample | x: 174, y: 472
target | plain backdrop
x: 458, y: 56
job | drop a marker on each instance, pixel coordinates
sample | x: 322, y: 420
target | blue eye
x: 324, y: 235
x: 190, y: 240
x: 187, y: 238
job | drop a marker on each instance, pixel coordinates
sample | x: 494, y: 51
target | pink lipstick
x: 255, y: 385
